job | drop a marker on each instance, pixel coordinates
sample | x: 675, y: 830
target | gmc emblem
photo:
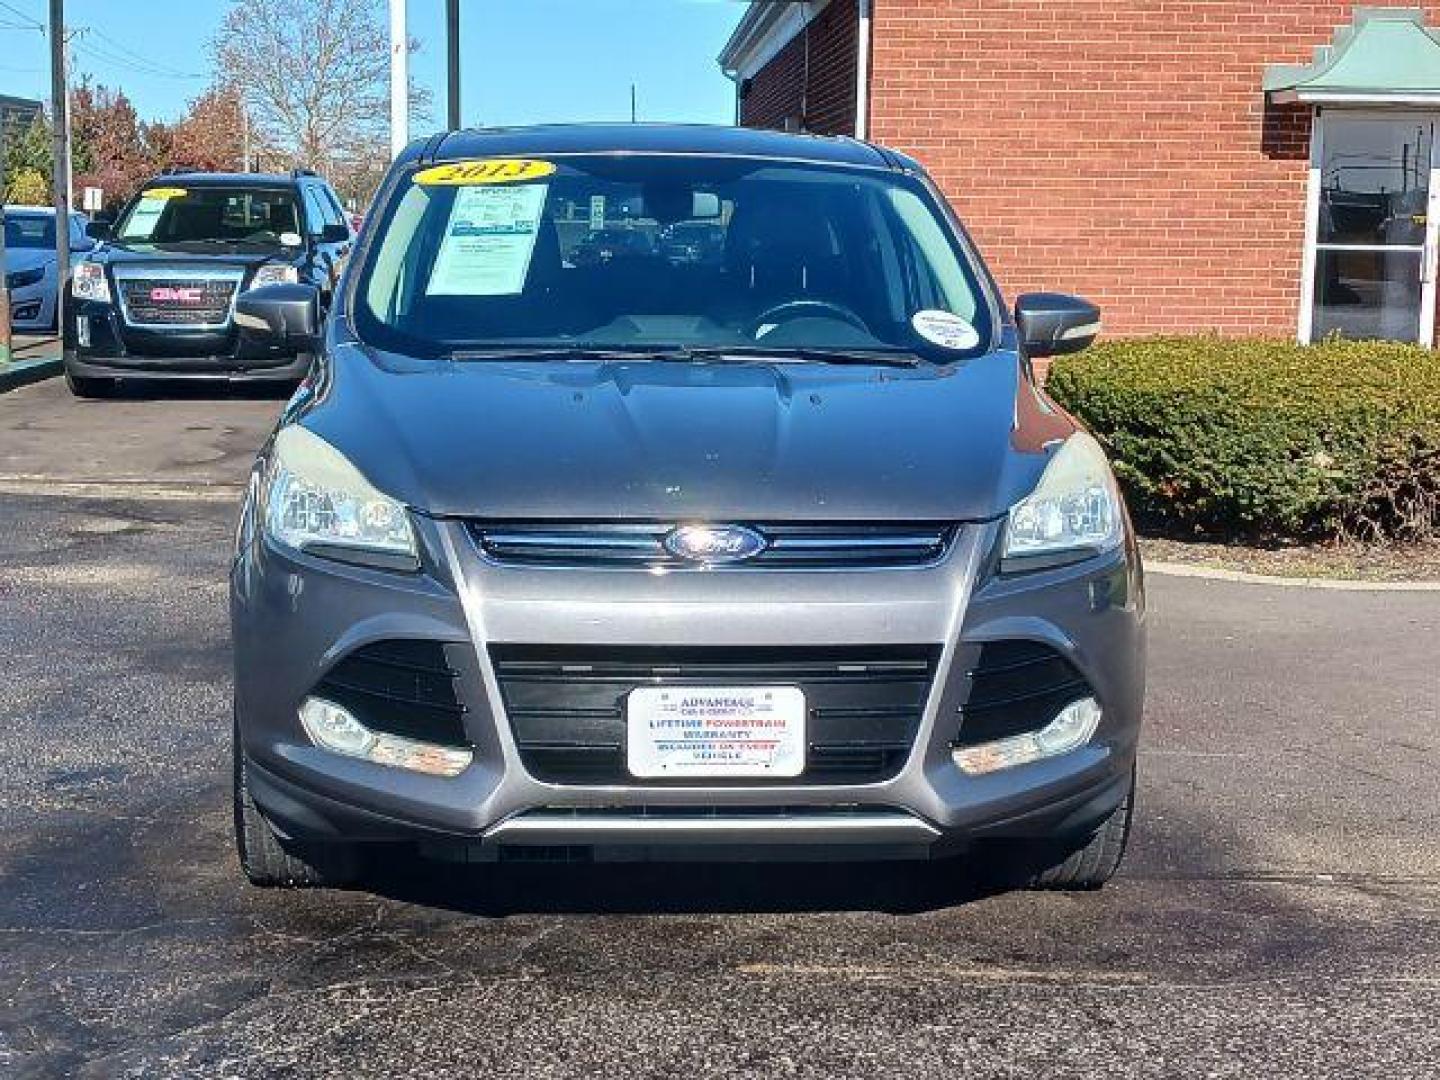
x: 167, y: 294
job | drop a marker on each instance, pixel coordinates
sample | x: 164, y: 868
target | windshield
x: 231, y: 215
x: 29, y: 230
x: 645, y: 252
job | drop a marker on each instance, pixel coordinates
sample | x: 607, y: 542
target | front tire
x: 82, y: 387
x: 271, y: 862
x: 1072, y: 865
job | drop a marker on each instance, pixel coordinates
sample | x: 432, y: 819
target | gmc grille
x: 177, y: 301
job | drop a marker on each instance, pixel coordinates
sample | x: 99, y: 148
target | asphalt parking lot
x: 1279, y: 914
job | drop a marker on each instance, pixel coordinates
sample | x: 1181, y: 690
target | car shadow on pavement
x: 510, y: 888
x: 182, y: 390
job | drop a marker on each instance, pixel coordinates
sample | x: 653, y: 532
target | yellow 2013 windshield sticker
x: 165, y: 193
x: 485, y: 171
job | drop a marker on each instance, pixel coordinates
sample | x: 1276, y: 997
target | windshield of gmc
x: 653, y: 252
x: 214, y: 215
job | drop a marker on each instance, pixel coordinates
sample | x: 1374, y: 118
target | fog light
x: 1070, y: 730
x: 333, y: 728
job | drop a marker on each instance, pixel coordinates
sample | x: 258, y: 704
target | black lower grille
x: 401, y: 687
x: 1015, y: 687
x: 567, y: 706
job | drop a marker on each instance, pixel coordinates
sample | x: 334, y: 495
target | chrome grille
x: 163, y: 299
x: 788, y: 547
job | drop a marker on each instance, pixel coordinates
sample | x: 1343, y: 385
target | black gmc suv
x: 156, y: 299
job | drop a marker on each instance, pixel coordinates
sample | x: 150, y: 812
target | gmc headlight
x: 317, y: 502
x: 88, y: 283
x: 21, y: 278
x: 274, y: 274
x: 1073, y: 513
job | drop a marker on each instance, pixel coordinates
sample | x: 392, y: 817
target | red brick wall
x: 1116, y: 148
x: 778, y: 91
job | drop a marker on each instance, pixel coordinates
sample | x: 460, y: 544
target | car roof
x: 703, y: 139
x: 36, y: 211
x: 229, y: 179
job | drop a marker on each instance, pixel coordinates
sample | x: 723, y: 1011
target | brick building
x: 1243, y: 166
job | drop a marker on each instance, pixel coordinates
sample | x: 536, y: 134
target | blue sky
x: 523, y: 61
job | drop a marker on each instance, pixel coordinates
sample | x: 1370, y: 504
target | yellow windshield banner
x: 485, y: 171
x: 164, y: 193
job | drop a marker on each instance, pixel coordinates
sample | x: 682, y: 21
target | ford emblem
x: 714, y: 543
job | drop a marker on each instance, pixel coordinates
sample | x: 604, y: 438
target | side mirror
x: 280, y: 315
x: 98, y: 229
x: 334, y: 233
x: 1053, y: 324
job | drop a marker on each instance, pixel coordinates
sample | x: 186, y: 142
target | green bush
x: 1263, y: 439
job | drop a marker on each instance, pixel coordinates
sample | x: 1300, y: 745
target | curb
x: 19, y: 373
x: 1206, y: 573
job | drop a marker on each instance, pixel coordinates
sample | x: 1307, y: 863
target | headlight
x: 88, y: 283
x: 1074, y: 512
x: 20, y: 278
x: 317, y: 502
x: 275, y: 274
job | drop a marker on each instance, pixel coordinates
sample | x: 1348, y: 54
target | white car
x: 30, y: 267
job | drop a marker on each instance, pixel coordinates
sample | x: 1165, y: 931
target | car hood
x: 678, y: 441
x: 27, y: 258
x: 117, y: 254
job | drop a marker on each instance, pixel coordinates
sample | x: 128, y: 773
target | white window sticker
x: 489, y: 241
x: 145, y: 217
x: 945, y: 329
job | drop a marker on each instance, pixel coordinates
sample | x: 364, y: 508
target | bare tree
x: 315, y: 78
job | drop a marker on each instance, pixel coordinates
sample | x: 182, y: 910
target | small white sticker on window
x: 945, y: 329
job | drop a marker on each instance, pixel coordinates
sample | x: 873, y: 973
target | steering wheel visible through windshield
x: 654, y: 252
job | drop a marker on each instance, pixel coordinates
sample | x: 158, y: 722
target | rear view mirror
x: 98, y: 229
x: 280, y: 315
x: 1054, y: 324
x: 705, y: 206
x: 334, y: 233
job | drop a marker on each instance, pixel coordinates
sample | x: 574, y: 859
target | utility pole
x: 244, y: 137
x: 4, y: 289
x: 60, y: 107
x: 452, y: 62
x: 399, y: 79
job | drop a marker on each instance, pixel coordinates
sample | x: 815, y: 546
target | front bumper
x: 296, y: 617
x: 99, y: 344
x: 32, y: 307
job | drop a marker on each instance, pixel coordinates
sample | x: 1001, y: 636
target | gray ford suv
x: 781, y: 553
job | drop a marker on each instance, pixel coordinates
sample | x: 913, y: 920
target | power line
x: 34, y: 23
x: 141, y: 58
x: 107, y: 56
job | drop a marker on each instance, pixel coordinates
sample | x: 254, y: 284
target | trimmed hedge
x: 1266, y: 440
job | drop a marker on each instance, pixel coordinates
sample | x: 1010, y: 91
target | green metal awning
x: 1388, y: 56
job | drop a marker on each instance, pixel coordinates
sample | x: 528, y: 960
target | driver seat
x: 776, y: 252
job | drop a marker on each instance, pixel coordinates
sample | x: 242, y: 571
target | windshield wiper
x: 812, y: 355
x: 709, y: 355
x: 574, y: 353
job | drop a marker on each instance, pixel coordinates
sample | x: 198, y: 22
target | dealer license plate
x: 715, y: 731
